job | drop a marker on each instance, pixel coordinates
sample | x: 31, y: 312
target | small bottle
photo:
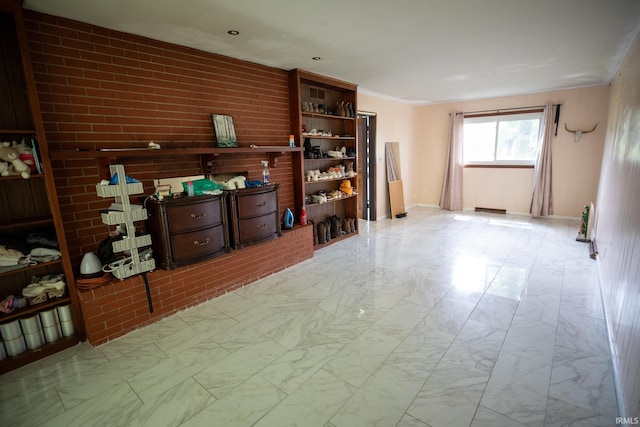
x: 190, y: 190
x: 265, y: 171
x: 303, y: 217
x: 292, y: 141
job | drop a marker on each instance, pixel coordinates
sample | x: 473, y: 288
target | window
x: 501, y: 139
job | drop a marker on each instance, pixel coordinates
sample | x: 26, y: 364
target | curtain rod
x: 506, y: 109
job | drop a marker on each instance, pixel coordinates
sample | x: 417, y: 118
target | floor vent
x: 491, y: 210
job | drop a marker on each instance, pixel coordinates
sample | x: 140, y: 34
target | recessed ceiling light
x: 316, y: 58
x: 233, y: 32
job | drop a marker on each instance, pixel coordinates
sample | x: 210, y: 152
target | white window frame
x: 490, y: 118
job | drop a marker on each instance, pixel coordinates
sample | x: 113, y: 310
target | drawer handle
x: 259, y: 205
x: 202, y: 215
x: 204, y: 242
x: 260, y: 227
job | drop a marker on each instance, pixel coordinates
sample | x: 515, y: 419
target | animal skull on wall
x: 578, y: 133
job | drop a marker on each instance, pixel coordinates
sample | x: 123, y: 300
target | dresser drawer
x: 194, y: 216
x: 258, y: 228
x: 257, y: 204
x: 197, y: 244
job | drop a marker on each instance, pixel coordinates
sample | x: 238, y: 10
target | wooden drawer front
x: 198, y: 243
x: 194, y: 216
x: 256, y: 204
x: 258, y: 228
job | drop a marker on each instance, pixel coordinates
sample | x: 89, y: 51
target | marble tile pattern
x: 438, y: 319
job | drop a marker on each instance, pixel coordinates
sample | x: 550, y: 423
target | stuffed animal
x: 11, y: 155
x: 26, y: 155
x: 4, y: 167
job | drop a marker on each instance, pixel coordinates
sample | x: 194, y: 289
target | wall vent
x: 491, y: 210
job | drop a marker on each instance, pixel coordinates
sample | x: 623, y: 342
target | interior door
x: 367, y: 166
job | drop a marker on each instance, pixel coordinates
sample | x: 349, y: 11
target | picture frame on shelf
x: 225, y: 132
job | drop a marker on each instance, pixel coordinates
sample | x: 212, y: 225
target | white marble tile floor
x: 438, y: 319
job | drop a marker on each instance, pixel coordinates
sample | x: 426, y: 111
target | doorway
x: 367, y: 165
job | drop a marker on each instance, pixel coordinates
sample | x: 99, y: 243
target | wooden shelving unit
x: 305, y: 87
x: 29, y: 205
x: 104, y: 157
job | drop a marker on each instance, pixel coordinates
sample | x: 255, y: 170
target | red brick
x: 138, y: 90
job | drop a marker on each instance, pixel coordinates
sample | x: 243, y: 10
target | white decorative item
x: 577, y: 134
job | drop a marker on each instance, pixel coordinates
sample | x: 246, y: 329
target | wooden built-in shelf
x: 164, y: 152
x: 330, y: 158
x: 342, y: 178
x: 105, y: 155
x: 331, y: 201
x: 30, y: 267
x: 21, y: 312
x: 333, y: 240
x: 29, y: 356
x: 326, y: 116
x: 17, y: 177
x: 18, y: 131
x: 328, y: 137
x: 26, y: 222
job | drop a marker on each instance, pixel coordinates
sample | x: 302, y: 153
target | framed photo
x: 225, y: 132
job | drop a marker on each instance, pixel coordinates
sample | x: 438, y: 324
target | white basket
x: 133, y: 269
x: 129, y: 243
x: 118, y: 217
x: 119, y: 190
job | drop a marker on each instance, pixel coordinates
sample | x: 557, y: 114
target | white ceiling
x: 416, y: 51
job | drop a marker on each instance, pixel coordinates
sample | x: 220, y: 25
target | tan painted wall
x: 395, y: 122
x: 618, y: 228
x: 423, y: 135
x: 576, y: 166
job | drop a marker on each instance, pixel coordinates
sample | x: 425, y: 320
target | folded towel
x: 10, y: 253
x: 45, y: 252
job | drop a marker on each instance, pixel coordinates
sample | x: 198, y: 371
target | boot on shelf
x: 336, y: 227
x: 346, y: 226
x: 327, y: 228
x: 349, y: 110
x: 322, y: 233
x: 315, y: 231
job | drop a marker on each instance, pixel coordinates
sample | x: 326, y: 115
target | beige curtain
x: 451, y: 197
x: 542, y: 201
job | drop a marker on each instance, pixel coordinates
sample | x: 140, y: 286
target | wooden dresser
x: 255, y: 215
x: 188, y: 229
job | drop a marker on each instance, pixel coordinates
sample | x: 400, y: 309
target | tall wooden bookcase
x: 28, y: 205
x: 329, y: 128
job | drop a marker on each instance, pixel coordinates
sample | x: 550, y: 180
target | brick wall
x: 121, y: 306
x: 105, y: 89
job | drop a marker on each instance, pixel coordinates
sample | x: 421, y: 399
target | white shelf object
x: 127, y: 216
